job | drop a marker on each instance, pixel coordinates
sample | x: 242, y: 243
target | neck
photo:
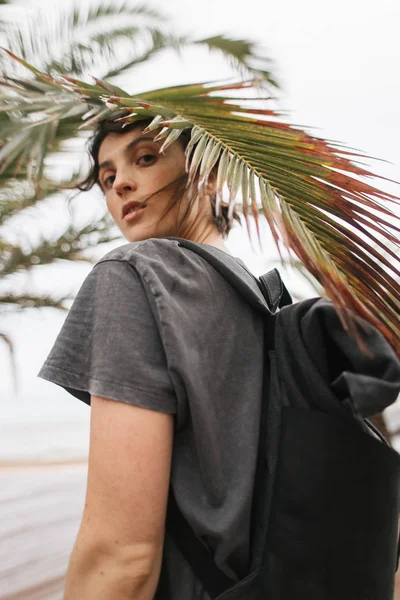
x: 204, y: 231
x: 215, y: 239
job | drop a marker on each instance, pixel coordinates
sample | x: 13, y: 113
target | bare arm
x: 118, y: 551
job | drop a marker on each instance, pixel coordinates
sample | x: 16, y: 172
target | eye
x: 108, y: 181
x: 147, y: 159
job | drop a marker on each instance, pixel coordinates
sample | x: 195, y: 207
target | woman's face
x: 130, y: 171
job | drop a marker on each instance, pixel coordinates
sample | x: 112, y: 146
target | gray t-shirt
x: 155, y: 325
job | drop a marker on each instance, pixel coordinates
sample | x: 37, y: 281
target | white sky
x: 339, y: 66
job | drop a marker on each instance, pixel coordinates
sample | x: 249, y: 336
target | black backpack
x: 327, y: 494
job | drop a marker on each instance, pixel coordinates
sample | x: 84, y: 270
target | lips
x: 131, y: 206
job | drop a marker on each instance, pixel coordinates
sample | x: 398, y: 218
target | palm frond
x: 241, y: 54
x: 76, y: 39
x: 312, y: 192
x: 17, y: 196
x: 113, y: 9
x: 20, y: 302
x: 244, y: 56
x: 71, y: 245
x: 134, y: 55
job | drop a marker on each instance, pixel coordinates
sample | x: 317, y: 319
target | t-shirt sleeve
x: 110, y: 344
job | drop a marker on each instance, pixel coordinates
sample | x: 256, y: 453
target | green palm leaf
x: 243, y: 56
x: 75, y: 39
x: 311, y: 191
x: 71, y: 245
x: 110, y: 37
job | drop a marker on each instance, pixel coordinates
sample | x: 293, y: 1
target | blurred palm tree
x: 108, y: 39
x: 311, y: 191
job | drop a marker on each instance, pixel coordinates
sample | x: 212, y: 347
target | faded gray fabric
x: 157, y: 326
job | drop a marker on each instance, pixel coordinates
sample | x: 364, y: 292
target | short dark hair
x: 178, y: 186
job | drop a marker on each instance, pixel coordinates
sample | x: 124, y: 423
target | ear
x: 210, y: 188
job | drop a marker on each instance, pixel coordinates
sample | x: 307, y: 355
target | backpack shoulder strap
x: 195, y: 552
x: 274, y: 290
x: 265, y: 293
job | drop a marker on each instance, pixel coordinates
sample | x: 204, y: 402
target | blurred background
x: 337, y: 67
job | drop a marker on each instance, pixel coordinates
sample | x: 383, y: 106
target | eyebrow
x: 127, y: 149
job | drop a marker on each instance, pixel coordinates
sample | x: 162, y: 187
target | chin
x: 139, y: 234
x: 140, y: 231
x: 137, y: 237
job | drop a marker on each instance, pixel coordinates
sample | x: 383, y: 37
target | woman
x: 169, y: 357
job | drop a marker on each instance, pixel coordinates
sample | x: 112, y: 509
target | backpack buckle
x: 274, y: 291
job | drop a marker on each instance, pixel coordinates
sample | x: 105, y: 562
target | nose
x: 124, y: 183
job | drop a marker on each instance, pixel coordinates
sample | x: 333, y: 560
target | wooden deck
x: 40, y: 510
